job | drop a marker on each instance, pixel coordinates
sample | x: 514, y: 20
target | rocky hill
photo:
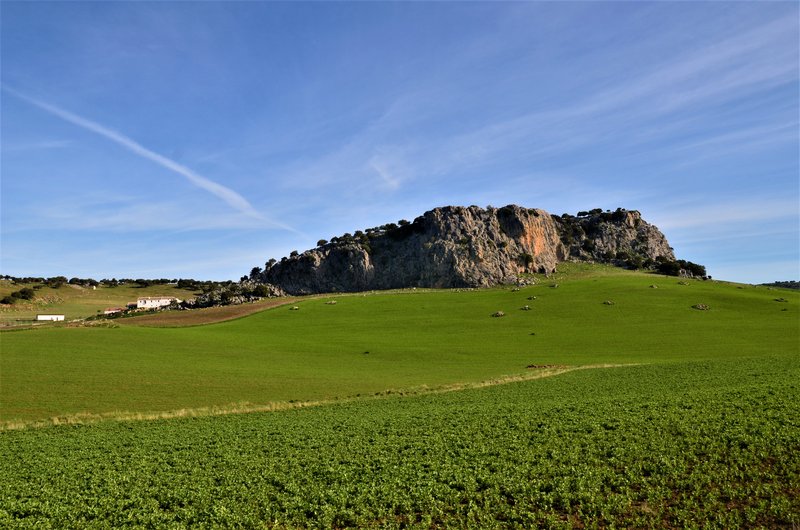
x: 456, y: 246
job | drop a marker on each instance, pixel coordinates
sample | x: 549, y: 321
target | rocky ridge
x: 455, y: 246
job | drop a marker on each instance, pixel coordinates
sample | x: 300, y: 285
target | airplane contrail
x: 232, y: 198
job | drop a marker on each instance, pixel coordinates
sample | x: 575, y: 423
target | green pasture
x: 373, y: 343
x: 75, y: 301
x: 692, y: 443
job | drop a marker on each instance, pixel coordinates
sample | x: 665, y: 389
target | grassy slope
x: 413, y: 339
x: 76, y: 302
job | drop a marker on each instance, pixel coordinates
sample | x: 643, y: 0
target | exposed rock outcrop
x: 235, y: 293
x: 456, y: 246
x: 620, y: 236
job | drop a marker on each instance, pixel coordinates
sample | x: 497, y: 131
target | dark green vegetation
x: 26, y: 293
x: 712, y: 444
x: 790, y: 284
x: 701, y: 428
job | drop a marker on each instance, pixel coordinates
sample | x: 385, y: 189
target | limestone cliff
x: 621, y: 237
x: 458, y: 246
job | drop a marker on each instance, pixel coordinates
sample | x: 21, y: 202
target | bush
x: 26, y: 294
x: 670, y: 268
x: 674, y: 268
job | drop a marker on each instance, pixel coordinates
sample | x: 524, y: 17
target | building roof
x: 157, y: 298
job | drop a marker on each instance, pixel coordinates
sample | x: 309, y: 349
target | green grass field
x: 699, y: 427
x: 413, y: 338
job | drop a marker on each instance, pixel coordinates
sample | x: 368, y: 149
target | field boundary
x: 88, y: 418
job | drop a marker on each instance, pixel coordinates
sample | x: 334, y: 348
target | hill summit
x: 455, y: 246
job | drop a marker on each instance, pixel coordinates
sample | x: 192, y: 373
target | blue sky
x: 181, y: 139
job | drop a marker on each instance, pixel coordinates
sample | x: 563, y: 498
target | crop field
x: 712, y: 444
x: 609, y: 402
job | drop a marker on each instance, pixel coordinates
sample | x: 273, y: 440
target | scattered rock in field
x: 498, y: 314
x: 533, y: 366
x: 531, y: 298
x: 330, y: 302
x: 526, y: 308
x: 294, y: 308
x: 609, y: 302
x: 781, y: 300
x: 654, y: 286
x: 515, y: 289
x: 554, y: 286
x: 533, y: 333
x: 701, y: 307
x: 366, y: 353
x: 784, y: 309
x: 683, y: 283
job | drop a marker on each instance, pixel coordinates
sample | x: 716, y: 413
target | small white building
x: 113, y: 310
x: 155, y: 302
x: 52, y: 318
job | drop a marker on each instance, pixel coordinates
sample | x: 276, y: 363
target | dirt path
x: 198, y: 317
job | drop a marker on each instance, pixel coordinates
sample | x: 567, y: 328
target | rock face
x: 458, y: 246
x: 619, y: 237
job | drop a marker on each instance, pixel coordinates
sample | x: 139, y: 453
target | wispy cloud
x: 383, y: 172
x: 229, y: 196
x: 669, y: 104
x: 702, y: 78
x: 729, y: 215
x: 126, y: 214
x: 34, y: 146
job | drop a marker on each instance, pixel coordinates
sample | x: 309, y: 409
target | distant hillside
x: 456, y: 246
x: 790, y: 284
x: 75, y: 301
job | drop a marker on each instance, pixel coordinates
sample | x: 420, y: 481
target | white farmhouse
x: 155, y: 302
x: 52, y: 318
